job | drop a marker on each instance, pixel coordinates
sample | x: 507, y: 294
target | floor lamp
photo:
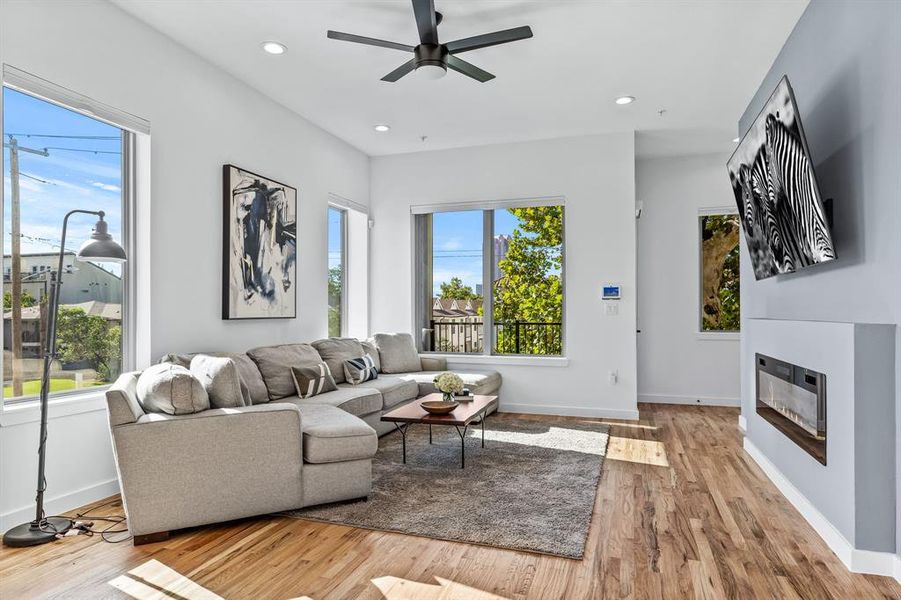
x: 100, y: 248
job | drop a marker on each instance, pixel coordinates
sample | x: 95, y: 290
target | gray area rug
x: 531, y: 488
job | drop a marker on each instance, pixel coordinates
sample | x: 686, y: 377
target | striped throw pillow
x: 358, y: 370
x: 313, y: 380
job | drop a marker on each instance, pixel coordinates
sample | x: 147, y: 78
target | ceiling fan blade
x: 359, y: 39
x: 470, y: 70
x: 400, y: 71
x: 426, y: 21
x: 489, y: 39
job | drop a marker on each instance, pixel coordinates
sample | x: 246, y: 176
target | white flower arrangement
x: 449, y: 383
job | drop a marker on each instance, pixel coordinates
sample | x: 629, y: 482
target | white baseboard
x: 61, y: 504
x: 742, y: 423
x: 569, y: 411
x: 696, y: 400
x: 857, y: 560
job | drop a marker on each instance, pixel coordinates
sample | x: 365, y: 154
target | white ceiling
x: 700, y: 61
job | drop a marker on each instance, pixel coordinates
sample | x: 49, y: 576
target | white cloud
x: 106, y: 186
x: 454, y: 243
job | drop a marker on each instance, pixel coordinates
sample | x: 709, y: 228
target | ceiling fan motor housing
x: 430, y: 55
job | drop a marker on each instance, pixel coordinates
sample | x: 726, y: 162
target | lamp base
x: 34, y: 533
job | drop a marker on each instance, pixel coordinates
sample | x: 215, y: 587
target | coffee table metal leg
x: 403, y: 435
x: 462, y: 445
x: 483, y: 431
x: 430, y: 433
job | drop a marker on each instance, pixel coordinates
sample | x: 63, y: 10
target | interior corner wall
x: 200, y: 119
x: 675, y: 364
x: 844, y: 63
x: 596, y: 176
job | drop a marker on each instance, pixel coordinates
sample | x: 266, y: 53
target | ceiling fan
x: 431, y: 59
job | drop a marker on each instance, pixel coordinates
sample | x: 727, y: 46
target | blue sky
x: 67, y: 179
x: 334, y: 237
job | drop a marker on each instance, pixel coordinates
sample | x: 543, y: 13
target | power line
x: 81, y: 150
x: 70, y: 137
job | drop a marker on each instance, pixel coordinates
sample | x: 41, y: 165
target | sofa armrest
x: 216, y: 465
x: 433, y: 363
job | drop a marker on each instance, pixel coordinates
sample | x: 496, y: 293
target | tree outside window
x: 720, y: 297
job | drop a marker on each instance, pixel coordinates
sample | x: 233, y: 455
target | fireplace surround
x: 793, y: 399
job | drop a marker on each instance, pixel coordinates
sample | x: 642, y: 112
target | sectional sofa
x: 281, y: 452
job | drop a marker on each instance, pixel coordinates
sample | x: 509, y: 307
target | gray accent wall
x: 844, y: 62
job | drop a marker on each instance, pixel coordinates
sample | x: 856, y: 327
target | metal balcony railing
x: 510, y: 337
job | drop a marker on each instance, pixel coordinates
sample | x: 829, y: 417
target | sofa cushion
x: 275, y: 362
x: 333, y: 435
x: 247, y: 369
x: 334, y: 351
x: 484, y: 383
x: 219, y: 377
x: 372, y: 350
x: 312, y: 381
x: 397, y: 353
x: 393, y: 388
x: 171, y: 389
x: 358, y: 370
x: 357, y: 400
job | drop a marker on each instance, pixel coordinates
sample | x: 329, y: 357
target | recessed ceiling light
x: 735, y: 140
x: 274, y: 47
x: 625, y: 100
x: 381, y: 128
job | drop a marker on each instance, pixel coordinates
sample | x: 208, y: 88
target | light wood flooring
x: 681, y: 512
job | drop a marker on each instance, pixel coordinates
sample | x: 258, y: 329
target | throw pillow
x: 171, y: 389
x: 275, y: 362
x: 334, y: 351
x: 220, y: 378
x: 397, y: 353
x: 358, y: 370
x: 311, y: 381
x: 370, y: 348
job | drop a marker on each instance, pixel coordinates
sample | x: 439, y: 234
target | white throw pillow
x: 219, y: 377
x: 397, y: 353
x: 171, y: 389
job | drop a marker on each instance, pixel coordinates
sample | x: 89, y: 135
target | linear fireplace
x: 793, y: 400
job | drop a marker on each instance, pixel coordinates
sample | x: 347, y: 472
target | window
x: 56, y: 160
x: 720, y: 299
x: 337, y: 246
x: 490, y: 281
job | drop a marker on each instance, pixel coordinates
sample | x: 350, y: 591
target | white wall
x: 596, y: 175
x: 200, y: 119
x: 675, y: 364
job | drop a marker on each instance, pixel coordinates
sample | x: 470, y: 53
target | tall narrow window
x: 720, y: 303
x: 56, y: 160
x: 490, y: 281
x: 337, y: 271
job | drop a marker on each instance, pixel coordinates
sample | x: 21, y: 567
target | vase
x: 448, y: 396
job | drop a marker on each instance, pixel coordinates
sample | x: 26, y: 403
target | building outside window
x: 719, y: 264
x: 513, y: 252
x: 56, y: 160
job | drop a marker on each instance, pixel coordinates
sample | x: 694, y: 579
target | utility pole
x: 16, y: 260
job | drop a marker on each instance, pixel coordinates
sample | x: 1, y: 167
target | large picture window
x: 56, y: 160
x: 490, y: 280
x: 720, y: 298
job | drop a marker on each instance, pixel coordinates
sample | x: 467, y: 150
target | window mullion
x: 487, y: 282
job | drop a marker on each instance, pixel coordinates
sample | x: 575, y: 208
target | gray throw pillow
x: 220, y: 378
x: 275, y: 362
x: 311, y: 381
x: 171, y: 389
x: 358, y: 370
x: 372, y: 350
x: 397, y: 353
x: 334, y: 351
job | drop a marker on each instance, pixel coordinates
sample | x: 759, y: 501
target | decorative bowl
x: 438, y: 407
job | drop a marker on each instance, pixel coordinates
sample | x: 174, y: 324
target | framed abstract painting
x: 259, y: 254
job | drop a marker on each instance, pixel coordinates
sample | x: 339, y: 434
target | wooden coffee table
x: 461, y: 417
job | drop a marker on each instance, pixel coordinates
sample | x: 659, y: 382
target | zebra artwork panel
x: 259, y: 255
x: 776, y: 191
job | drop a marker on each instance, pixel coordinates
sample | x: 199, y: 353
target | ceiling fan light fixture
x: 623, y: 100
x: 431, y: 71
x: 271, y: 47
x: 382, y: 128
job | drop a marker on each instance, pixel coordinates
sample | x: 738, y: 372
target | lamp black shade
x: 101, y: 247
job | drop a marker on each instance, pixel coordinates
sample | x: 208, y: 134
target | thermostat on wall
x: 610, y: 291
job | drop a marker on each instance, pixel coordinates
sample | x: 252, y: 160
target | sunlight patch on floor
x: 397, y: 588
x: 558, y: 438
x: 646, y: 452
x: 155, y: 581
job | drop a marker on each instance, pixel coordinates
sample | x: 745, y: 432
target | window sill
x: 484, y: 359
x: 28, y: 412
x: 721, y: 336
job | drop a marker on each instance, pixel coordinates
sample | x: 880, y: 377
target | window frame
x: 700, y: 332
x: 487, y: 208
x: 343, y: 307
x: 131, y: 126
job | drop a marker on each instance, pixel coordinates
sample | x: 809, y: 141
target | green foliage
x: 530, y: 289
x: 81, y: 336
x: 26, y: 300
x: 721, y: 310
x: 335, y: 280
x: 455, y: 290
